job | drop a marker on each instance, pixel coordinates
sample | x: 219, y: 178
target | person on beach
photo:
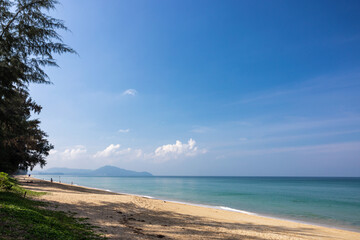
x: 51, y: 180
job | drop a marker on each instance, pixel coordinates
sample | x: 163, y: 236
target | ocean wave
x: 236, y: 210
x: 147, y: 196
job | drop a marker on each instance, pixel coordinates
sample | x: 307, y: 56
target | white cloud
x: 72, y: 153
x: 78, y: 156
x: 124, y: 130
x: 109, y: 151
x: 52, y: 152
x: 131, y: 92
x: 113, y: 151
x: 174, y: 151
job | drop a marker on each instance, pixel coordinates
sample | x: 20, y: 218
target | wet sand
x: 121, y: 216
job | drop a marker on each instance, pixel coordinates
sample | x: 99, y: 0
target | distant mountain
x: 106, y: 171
x: 115, y: 171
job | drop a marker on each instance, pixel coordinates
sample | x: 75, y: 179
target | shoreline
x: 123, y: 216
x: 224, y: 208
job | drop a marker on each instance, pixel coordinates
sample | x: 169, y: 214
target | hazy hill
x: 109, y: 171
x: 115, y: 171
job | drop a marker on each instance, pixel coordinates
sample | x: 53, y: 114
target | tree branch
x: 17, y: 13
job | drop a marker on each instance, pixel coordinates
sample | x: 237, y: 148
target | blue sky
x: 207, y: 88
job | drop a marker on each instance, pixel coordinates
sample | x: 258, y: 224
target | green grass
x: 23, y: 218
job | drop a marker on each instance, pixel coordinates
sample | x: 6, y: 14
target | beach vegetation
x: 26, y: 218
x: 28, y: 40
x: 5, y: 182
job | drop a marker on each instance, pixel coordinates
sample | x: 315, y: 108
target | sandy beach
x: 121, y: 216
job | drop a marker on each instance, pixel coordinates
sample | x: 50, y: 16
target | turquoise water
x: 324, y: 201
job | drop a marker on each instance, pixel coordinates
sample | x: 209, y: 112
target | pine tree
x: 28, y: 41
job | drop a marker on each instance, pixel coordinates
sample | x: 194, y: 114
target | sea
x: 325, y: 201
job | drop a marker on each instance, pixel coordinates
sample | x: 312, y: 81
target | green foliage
x: 24, y: 144
x: 23, y: 218
x: 5, y: 182
x: 15, y: 187
x: 28, y: 40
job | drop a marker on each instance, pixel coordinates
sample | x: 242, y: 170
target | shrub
x: 5, y: 181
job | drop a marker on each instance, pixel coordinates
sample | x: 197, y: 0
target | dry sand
x: 121, y: 216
